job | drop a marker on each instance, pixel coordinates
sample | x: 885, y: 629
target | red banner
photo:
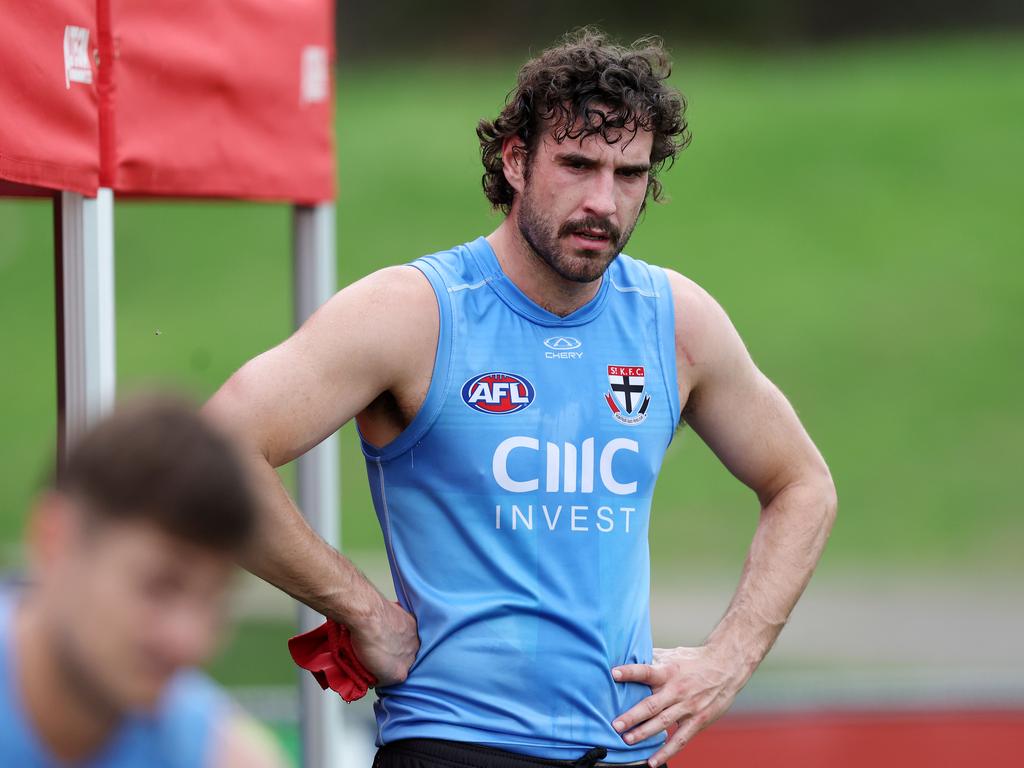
x: 49, y: 131
x: 168, y: 98
x: 226, y: 99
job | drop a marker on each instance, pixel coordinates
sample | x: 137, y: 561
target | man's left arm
x: 754, y: 431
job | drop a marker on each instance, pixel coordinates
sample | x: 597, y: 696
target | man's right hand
x: 388, y: 644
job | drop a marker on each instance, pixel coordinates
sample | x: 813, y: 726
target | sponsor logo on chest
x: 559, y: 478
x: 498, y: 393
x: 563, y: 348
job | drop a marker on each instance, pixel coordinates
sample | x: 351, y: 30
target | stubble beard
x: 80, y: 680
x: 546, y: 241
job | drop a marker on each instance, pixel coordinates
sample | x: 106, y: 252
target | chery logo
x: 562, y: 343
x: 563, y: 347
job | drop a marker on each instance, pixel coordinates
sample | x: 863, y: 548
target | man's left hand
x: 690, y: 688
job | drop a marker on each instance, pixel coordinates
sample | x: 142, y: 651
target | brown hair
x: 591, y: 82
x: 156, y: 459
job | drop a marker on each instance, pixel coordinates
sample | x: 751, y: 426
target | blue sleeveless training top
x: 515, y: 510
x: 180, y: 734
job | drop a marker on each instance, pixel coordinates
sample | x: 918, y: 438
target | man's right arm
x: 376, y: 335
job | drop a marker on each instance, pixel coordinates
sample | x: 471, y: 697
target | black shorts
x: 439, y: 753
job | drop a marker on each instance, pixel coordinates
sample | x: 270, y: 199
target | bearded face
x: 581, y: 200
x: 128, y: 606
x: 578, y: 249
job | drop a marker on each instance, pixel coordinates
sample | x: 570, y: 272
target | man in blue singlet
x: 131, y: 551
x: 515, y: 396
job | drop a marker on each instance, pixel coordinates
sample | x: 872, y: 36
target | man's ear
x: 53, y: 523
x: 513, y: 161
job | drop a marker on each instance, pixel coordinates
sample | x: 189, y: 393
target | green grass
x: 288, y: 735
x: 856, y: 211
x: 256, y: 653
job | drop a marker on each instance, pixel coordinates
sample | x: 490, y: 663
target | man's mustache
x: 592, y: 224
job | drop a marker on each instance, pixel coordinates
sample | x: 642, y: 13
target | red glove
x: 327, y: 652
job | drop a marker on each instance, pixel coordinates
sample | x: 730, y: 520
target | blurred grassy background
x: 856, y: 210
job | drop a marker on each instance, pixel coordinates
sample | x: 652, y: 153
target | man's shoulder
x: 458, y: 265
x: 192, y: 689
x: 191, y: 714
x: 391, y: 295
x: 413, y: 280
x: 199, y: 724
x: 396, y: 283
x: 687, y: 295
x: 638, y: 270
x: 12, y: 586
x: 701, y: 324
x: 707, y: 342
x: 682, y: 286
x: 687, y: 291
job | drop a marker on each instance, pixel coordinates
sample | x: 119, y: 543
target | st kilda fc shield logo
x: 627, y: 397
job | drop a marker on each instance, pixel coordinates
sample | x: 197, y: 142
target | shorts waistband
x: 469, y: 755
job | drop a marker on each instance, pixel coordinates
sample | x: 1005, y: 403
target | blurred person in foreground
x: 131, y: 553
x: 515, y: 396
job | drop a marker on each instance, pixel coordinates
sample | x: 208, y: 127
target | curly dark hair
x: 583, y: 86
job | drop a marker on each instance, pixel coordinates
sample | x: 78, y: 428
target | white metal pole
x: 87, y: 294
x: 319, y: 484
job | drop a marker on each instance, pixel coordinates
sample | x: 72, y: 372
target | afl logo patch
x: 497, y: 393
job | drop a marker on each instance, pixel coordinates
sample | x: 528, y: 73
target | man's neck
x: 533, y: 276
x: 67, y: 726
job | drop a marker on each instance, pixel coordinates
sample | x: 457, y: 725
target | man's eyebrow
x: 570, y: 158
x: 634, y: 168
x: 576, y: 158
